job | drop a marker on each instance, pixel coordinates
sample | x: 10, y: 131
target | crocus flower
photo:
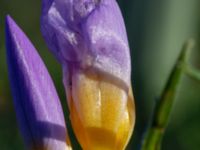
x: 36, y: 102
x: 89, y: 39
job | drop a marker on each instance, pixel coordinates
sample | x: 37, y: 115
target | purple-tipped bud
x: 89, y: 38
x: 36, y: 102
x: 90, y: 33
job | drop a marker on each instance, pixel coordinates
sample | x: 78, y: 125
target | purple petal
x: 36, y: 102
x: 91, y: 33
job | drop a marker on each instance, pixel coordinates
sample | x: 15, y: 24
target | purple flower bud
x: 36, y: 102
x: 89, y: 38
x: 90, y: 33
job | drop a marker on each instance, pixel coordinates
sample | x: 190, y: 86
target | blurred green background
x: 157, y: 30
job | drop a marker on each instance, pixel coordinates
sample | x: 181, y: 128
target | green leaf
x: 158, y: 123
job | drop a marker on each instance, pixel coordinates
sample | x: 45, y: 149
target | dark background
x: 157, y: 30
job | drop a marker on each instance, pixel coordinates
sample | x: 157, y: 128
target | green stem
x: 192, y: 72
x: 153, y: 138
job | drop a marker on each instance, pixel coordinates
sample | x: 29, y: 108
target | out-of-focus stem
x: 153, y: 137
x: 192, y: 72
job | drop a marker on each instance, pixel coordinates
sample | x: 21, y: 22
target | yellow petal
x: 102, y: 113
